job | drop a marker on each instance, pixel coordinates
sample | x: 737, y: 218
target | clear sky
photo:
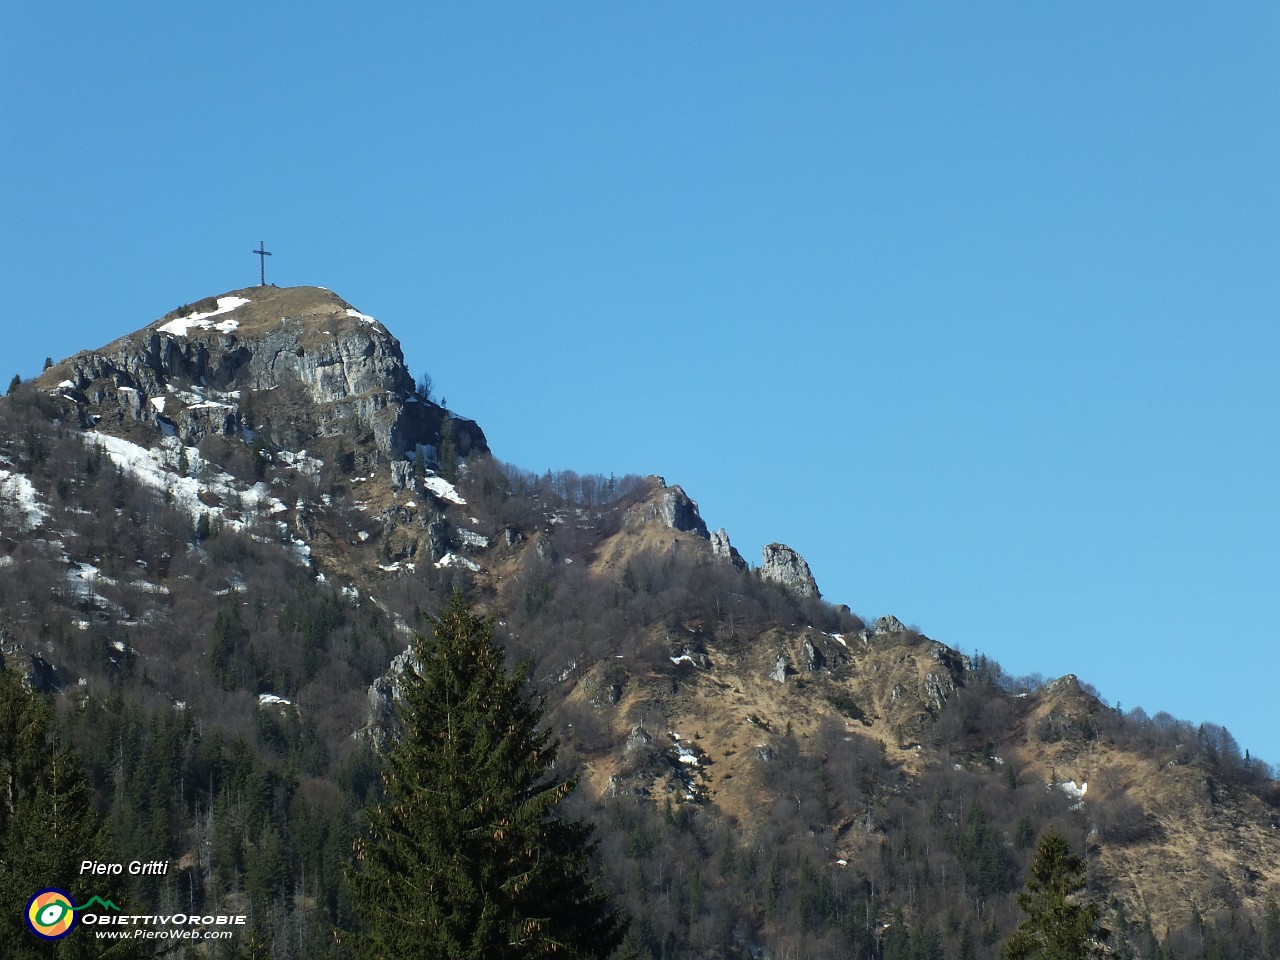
x: 975, y: 305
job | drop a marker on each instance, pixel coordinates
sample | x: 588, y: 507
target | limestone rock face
x: 318, y: 363
x: 672, y: 507
x: 888, y: 624
x: 638, y: 739
x: 783, y: 565
x: 781, y: 669
x: 438, y: 537
x: 813, y: 658
x: 723, y: 549
x: 383, y: 694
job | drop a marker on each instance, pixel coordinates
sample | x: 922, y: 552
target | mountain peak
x: 323, y: 366
x: 253, y: 311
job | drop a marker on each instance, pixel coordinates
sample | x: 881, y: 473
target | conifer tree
x: 468, y: 857
x: 48, y: 825
x: 1058, y: 925
x: 447, y: 452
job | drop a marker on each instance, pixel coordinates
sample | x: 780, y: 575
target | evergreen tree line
x: 258, y: 835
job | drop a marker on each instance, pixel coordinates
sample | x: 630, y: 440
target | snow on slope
x: 200, y: 321
x: 443, y: 489
x: 19, y: 496
x: 453, y: 560
x: 154, y: 468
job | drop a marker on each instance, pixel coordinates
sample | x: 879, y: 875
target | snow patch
x: 470, y: 538
x: 301, y: 462
x: 362, y: 317
x: 453, y: 560
x: 201, y: 321
x: 209, y: 405
x: 685, y: 755
x: 17, y: 490
x: 88, y: 575
x: 200, y: 396
x: 443, y: 489
x: 271, y: 700
x: 1074, y: 792
x: 146, y: 586
x: 151, y: 467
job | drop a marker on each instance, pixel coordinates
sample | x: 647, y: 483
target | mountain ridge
x: 723, y: 700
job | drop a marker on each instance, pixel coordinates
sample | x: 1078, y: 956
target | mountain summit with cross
x: 327, y: 368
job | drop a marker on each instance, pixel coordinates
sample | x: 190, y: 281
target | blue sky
x: 974, y: 305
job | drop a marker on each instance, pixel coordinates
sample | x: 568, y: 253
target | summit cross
x: 262, y: 253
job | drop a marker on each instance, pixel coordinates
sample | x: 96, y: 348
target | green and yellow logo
x: 51, y: 913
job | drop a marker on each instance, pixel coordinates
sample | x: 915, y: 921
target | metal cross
x: 262, y: 253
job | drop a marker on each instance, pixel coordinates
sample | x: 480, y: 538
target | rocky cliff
x: 197, y: 371
x: 785, y: 566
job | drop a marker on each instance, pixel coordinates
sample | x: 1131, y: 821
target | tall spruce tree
x: 467, y: 858
x: 1059, y: 926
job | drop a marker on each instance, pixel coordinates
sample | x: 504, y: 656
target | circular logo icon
x: 51, y: 914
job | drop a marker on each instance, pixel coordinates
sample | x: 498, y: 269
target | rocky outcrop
x: 672, y: 507
x: 437, y: 537
x: 722, y: 548
x: 383, y: 694
x: 402, y: 475
x: 38, y: 674
x: 783, y: 565
x: 955, y: 662
x: 319, y: 365
x: 638, y: 739
x: 781, y: 669
x: 886, y: 625
x: 937, y: 688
